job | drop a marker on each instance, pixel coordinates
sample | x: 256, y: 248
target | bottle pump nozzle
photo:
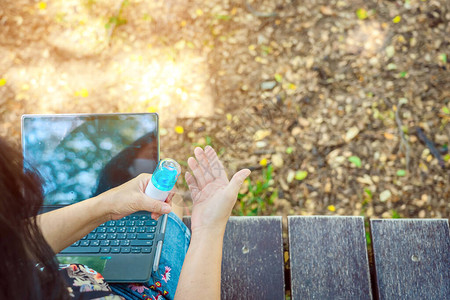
x: 163, y: 179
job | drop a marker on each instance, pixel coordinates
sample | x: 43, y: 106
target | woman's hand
x: 212, y: 193
x: 130, y: 197
x: 62, y: 227
x: 214, y: 197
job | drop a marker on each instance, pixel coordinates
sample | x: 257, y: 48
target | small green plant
x: 117, y: 20
x: 395, y: 214
x: 260, y: 197
x: 210, y: 142
x: 367, y: 230
x: 367, y: 198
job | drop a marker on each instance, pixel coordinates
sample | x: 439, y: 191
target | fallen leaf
x: 361, y: 14
x: 444, y: 109
x: 179, y: 129
x: 385, y: 195
x: 331, y: 208
x: 300, y: 175
x: 277, y: 160
x: 290, y: 176
x: 390, y: 51
x: 2, y: 81
x: 261, y: 134
x: 355, y: 160
x: 42, y: 5
x: 199, y: 12
x: 263, y: 162
x: 396, y: 19
x: 351, y: 133
x: 389, y: 136
x: 401, y: 173
x: 268, y: 85
x: 278, y: 77
x: 151, y: 109
x: 326, y: 11
x: 82, y: 93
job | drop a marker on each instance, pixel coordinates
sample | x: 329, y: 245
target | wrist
x: 215, y: 231
x: 99, y: 206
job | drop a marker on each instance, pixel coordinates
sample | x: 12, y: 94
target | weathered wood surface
x: 412, y: 258
x: 252, y: 265
x: 328, y: 258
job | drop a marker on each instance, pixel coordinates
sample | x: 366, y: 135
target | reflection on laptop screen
x: 81, y: 156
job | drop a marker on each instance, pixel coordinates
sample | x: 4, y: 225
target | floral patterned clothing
x: 86, y: 283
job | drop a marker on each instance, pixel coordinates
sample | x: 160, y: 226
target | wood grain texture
x: 328, y: 258
x: 252, y: 264
x: 412, y: 258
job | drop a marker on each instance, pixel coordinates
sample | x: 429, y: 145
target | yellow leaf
x: 263, y: 162
x: 233, y: 11
x: 2, y: 81
x: 183, y: 23
x: 179, y: 129
x: 397, y: 19
x: 151, y: 109
x: 292, y: 86
x: 199, y: 12
x: 389, y: 136
x: 229, y: 117
x: 331, y: 208
x: 84, y: 93
x: 42, y: 5
x: 361, y: 14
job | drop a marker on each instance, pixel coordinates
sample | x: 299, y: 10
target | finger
x: 155, y: 216
x: 156, y: 206
x: 236, y: 182
x: 217, y: 168
x: 192, y: 184
x: 197, y: 171
x: 204, y: 164
x: 169, y: 198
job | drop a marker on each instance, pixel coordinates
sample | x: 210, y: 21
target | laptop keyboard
x: 132, y: 235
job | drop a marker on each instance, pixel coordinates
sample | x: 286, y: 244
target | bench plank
x: 252, y: 265
x: 412, y: 258
x: 328, y: 258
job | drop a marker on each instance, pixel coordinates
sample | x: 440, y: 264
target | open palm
x: 212, y: 193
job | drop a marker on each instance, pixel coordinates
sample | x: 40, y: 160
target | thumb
x: 237, y: 181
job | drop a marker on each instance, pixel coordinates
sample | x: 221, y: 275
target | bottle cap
x: 166, y: 174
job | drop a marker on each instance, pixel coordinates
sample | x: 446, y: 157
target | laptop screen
x: 80, y: 156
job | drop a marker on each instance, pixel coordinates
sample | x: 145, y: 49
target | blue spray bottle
x: 163, y: 179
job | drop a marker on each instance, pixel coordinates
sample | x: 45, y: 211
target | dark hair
x: 28, y: 267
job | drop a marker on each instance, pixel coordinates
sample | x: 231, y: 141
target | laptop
x: 80, y: 156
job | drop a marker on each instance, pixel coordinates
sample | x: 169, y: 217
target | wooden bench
x: 325, y: 257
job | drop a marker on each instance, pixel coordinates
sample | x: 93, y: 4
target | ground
x: 338, y: 107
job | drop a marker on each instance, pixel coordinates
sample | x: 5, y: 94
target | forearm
x: 64, y: 226
x: 201, y: 272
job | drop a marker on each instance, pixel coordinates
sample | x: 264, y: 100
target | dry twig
x: 404, y: 145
